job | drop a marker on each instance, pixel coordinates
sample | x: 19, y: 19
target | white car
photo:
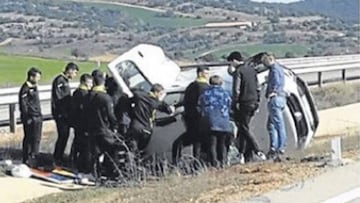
x: 147, y: 64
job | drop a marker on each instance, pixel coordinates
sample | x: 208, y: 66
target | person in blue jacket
x: 214, y: 105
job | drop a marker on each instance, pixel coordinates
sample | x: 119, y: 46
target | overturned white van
x: 146, y: 64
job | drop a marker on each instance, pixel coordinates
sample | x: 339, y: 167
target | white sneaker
x: 242, y: 159
x: 261, y: 155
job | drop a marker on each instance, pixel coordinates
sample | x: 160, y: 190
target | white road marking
x: 345, y: 197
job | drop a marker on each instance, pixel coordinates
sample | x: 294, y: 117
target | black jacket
x: 100, y: 112
x: 191, y: 97
x: 78, y: 102
x: 61, y: 98
x: 143, y: 112
x: 122, y: 109
x: 246, y: 89
x: 29, y: 101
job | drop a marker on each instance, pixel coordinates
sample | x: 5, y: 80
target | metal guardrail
x: 306, y: 65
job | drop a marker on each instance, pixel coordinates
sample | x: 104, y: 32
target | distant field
x: 13, y: 68
x: 278, y: 49
x: 149, y: 16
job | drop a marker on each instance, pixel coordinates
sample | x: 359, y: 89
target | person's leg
x: 244, y: 130
x: 194, y: 135
x: 197, y: 150
x: 222, y: 152
x: 77, y: 145
x: 213, y: 149
x: 252, y: 145
x: 37, y: 130
x: 279, y: 123
x: 26, y: 141
x: 250, y: 136
x: 244, y: 140
x: 271, y: 125
x: 144, y: 139
x: 177, y: 149
x: 63, y: 135
x: 85, y: 162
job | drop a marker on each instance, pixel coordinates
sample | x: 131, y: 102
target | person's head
x: 87, y: 80
x: 112, y: 88
x: 216, y: 80
x: 33, y: 75
x: 235, y: 58
x: 71, y: 70
x: 98, y: 77
x: 158, y: 91
x: 268, y: 60
x: 203, y: 72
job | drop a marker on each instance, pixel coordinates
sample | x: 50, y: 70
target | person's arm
x: 228, y: 100
x: 236, y: 89
x: 275, y: 81
x: 166, y: 108
x: 258, y: 90
x: 58, y: 92
x: 111, y: 114
x: 237, y: 85
x: 23, y: 101
x: 200, y: 104
x: 60, y: 104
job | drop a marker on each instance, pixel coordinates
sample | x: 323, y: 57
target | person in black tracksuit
x: 78, y: 100
x: 143, y: 116
x: 246, y: 99
x: 122, y: 104
x: 61, y: 108
x: 100, y: 121
x: 192, y: 116
x: 31, y: 116
x: 122, y: 113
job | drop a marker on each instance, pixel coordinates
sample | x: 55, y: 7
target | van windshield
x: 131, y: 75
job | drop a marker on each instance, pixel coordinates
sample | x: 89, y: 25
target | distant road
x: 6, y: 42
x: 159, y: 10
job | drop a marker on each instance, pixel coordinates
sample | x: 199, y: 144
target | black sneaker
x: 272, y: 154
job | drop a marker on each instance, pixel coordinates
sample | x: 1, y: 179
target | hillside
x: 86, y: 29
x: 346, y: 10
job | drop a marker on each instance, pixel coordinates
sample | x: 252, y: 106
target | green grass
x: 278, y: 49
x: 337, y: 94
x: 13, y: 69
x: 148, y: 16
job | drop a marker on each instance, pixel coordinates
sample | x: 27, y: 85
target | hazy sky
x: 278, y: 1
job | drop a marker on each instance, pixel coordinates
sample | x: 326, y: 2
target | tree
x: 274, y: 19
x: 75, y: 52
x: 208, y: 58
x: 289, y: 55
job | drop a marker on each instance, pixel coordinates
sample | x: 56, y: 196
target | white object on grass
x: 21, y: 171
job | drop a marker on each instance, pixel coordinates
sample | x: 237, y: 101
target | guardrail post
x: 12, y: 118
x: 343, y: 73
x: 320, y: 79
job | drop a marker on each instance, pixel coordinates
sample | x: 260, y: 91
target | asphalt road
x: 338, y: 185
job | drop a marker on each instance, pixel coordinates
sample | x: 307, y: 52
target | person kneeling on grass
x: 214, y: 105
